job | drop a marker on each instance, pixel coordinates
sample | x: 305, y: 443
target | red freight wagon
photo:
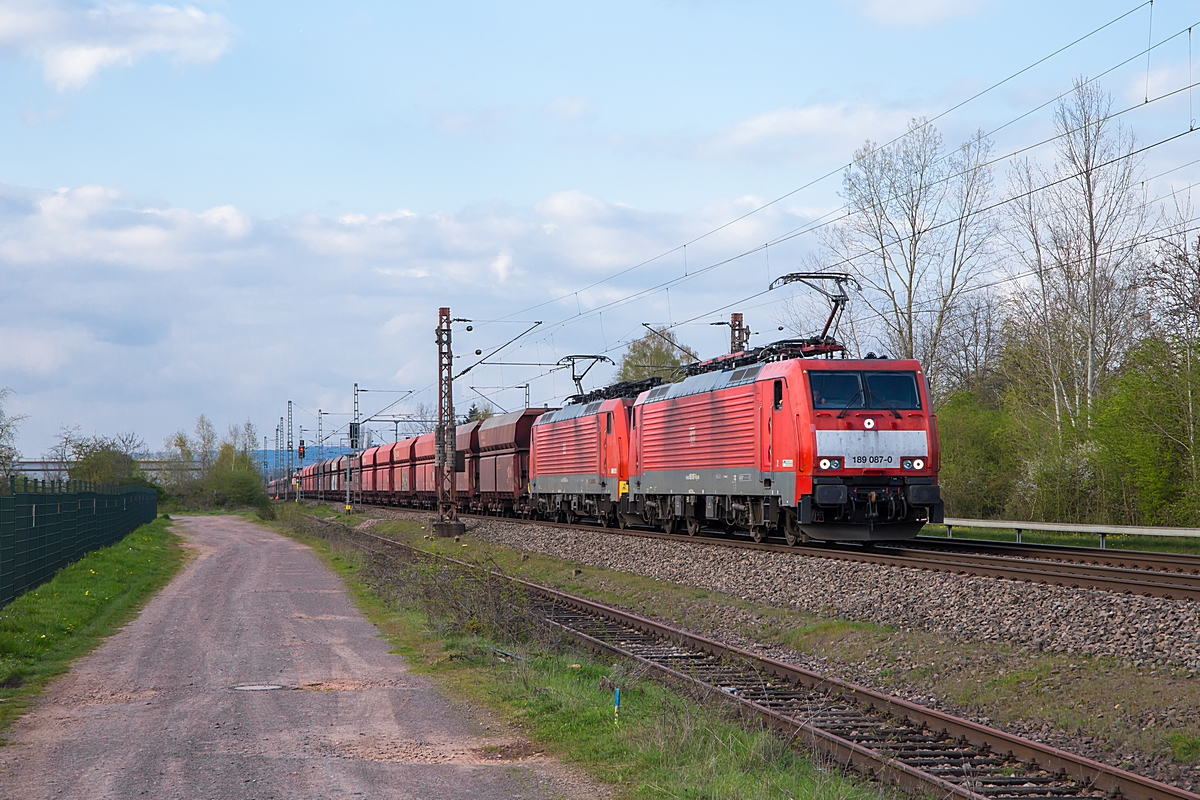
x: 337, y: 477
x: 579, y: 465
x: 425, y: 471
x: 328, y: 468
x: 383, y: 472
x: 466, y: 461
x: 504, y: 462
x: 367, y: 473
x: 816, y: 448
x: 402, y: 481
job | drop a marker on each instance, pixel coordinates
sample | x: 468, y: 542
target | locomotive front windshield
x: 894, y: 390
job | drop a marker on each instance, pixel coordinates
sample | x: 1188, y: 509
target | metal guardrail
x: 43, y: 528
x: 1103, y: 531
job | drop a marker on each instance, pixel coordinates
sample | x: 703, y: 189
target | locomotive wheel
x: 622, y: 523
x: 670, y: 524
x: 693, y: 526
x: 758, y: 533
x: 792, y: 532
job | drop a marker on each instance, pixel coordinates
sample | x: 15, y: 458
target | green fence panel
x: 41, y: 530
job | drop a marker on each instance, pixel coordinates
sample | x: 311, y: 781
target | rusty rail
x: 917, y: 748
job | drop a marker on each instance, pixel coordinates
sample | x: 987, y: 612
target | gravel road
x: 156, y: 713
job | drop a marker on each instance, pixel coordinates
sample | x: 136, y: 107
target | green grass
x: 44, y: 630
x: 1126, y: 706
x: 1186, y: 748
x: 666, y: 745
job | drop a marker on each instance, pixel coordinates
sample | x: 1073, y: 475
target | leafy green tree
x: 476, y: 413
x: 656, y: 354
x: 979, y: 465
x: 1142, y: 432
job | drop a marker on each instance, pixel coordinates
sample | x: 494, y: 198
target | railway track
x: 1164, y: 575
x: 919, y: 749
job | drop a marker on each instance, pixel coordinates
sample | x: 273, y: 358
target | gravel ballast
x: 1144, y: 631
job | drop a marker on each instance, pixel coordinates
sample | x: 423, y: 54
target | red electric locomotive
x: 772, y: 441
x: 580, y: 463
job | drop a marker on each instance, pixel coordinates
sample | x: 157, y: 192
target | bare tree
x: 974, y: 337
x: 59, y: 456
x: 1078, y: 229
x: 424, y: 419
x: 249, y: 436
x: 918, y: 233
x: 9, y: 455
x: 205, y: 445
x: 180, y: 459
x: 129, y: 443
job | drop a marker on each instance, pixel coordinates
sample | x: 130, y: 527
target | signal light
x: 301, y: 451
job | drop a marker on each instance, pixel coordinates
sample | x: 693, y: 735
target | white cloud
x: 135, y: 317
x: 1164, y: 78
x: 74, y: 41
x: 571, y: 108
x: 914, y: 13
x: 806, y: 133
x: 485, y: 121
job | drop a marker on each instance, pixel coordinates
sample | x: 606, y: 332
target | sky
x: 218, y: 207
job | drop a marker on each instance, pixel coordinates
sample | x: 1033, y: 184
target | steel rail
x: 1129, y: 559
x: 917, y: 748
x: 1127, y: 576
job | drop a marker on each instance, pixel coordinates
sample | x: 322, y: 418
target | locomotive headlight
x: 835, y: 463
x: 907, y: 463
x: 824, y: 463
x: 918, y: 463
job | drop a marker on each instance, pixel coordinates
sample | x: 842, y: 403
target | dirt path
x: 154, y: 712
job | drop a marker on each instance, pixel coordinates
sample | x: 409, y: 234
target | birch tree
x: 918, y: 234
x: 1076, y: 230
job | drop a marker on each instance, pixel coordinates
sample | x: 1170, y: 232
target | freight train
x: 772, y: 442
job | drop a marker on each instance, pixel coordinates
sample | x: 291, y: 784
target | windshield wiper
x: 883, y: 400
x: 842, y: 413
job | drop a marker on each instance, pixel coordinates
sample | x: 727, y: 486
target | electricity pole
x: 447, y: 522
x: 279, y: 453
x: 289, y: 446
x: 320, y: 457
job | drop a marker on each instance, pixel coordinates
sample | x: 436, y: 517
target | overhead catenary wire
x: 845, y: 261
x: 836, y: 171
x: 664, y: 286
x: 810, y: 227
x: 688, y: 273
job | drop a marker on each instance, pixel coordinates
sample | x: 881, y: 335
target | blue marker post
x: 617, y: 707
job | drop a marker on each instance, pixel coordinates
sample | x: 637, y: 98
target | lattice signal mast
x: 445, y: 437
x: 739, y: 334
x: 289, y: 445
